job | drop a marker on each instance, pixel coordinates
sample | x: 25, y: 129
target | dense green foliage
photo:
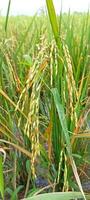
x: 44, y: 103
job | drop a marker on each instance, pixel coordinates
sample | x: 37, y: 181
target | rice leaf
x: 63, y: 122
x: 7, y: 16
x: 53, y: 20
x: 1, y: 178
x: 18, y: 147
x: 56, y: 196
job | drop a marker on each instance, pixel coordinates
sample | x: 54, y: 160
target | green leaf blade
x: 53, y: 20
x: 7, y: 16
x: 63, y: 122
x: 56, y: 196
x: 1, y: 178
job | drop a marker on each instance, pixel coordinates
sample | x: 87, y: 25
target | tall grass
x: 44, y: 102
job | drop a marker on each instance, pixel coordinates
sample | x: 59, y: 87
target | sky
x: 30, y: 7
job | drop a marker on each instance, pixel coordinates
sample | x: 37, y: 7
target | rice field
x: 45, y: 106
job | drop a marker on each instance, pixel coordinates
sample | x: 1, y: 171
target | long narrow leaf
x: 19, y: 148
x: 53, y: 20
x: 11, y: 102
x: 56, y: 196
x: 1, y: 178
x: 63, y: 122
x: 7, y: 16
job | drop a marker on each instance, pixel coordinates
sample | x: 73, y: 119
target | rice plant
x: 44, y: 105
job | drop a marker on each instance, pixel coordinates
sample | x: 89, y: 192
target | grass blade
x: 63, y: 122
x: 19, y: 148
x: 61, y: 114
x: 56, y: 196
x: 7, y: 16
x: 1, y: 178
x: 11, y: 102
x: 53, y: 20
